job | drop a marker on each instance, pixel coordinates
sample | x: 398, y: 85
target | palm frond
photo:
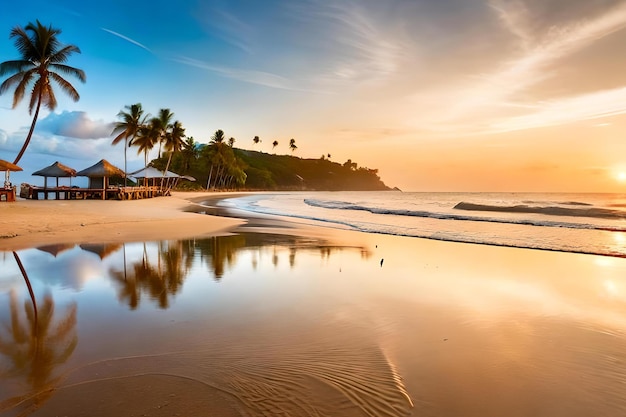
x: 65, y: 86
x: 22, y: 83
x: 62, y: 55
x: 66, y: 69
x: 9, y: 67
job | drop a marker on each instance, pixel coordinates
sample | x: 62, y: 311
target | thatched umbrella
x: 56, y: 170
x: 99, y: 174
x: 8, y: 167
x: 101, y: 249
x: 55, y: 249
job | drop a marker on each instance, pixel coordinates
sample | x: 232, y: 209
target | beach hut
x: 7, y: 192
x: 101, y: 249
x: 99, y: 175
x: 56, y: 170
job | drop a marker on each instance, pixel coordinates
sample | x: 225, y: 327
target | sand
x: 438, y: 329
x: 28, y: 223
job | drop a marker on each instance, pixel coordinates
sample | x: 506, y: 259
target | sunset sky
x: 439, y: 95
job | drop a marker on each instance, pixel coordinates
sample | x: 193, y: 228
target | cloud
x: 75, y: 124
x: 503, y: 99
x: 363, y: 44
x: 126, y: 38
x: 265, y: 79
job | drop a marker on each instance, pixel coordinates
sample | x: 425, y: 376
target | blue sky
x: 448, y: 95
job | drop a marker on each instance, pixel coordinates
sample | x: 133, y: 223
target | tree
x: 292, y: 145
x: 231, y: 141
x: 132, y: 120
x: 146, y: 138
x: 42, y: 60
x: 162, y: 124
x: 173, y: 141
x: 274, y: 144
x: 190, y: 152
x: 256, y: 140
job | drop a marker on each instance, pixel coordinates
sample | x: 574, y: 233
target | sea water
x: 581, y: 223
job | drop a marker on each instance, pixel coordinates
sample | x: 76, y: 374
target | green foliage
x: 222, y: 167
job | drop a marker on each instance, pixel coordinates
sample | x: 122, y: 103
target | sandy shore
x: 244, y: 323
x: 28, y: 223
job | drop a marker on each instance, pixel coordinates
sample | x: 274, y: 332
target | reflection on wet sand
x: 34, y: 344
x: 160, y: 279
x: 162, y: 276
x: 267, y: 324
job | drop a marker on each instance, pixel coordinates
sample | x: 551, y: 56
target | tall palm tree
x: 231, y: 141
x: 292, y: 145
x: 146, y: 138
x: 43, y: 58
x: 132, y: 120
x: 174, y: 141
x: 162, y: 123
x: 256, y: 140
x: 274, y: 144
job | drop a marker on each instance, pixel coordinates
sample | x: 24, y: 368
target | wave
x: 594, y: 213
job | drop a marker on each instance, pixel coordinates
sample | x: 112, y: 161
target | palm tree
x: 162, y: 123
x: 174, y: 141
x: 256, y: 140
x: 231, y: 141
x: 42, y: 59
x: 292, y: 145
x: 274, y: 144
x: 128, y: 128
x: 190, y: 152
x: 146, y: 138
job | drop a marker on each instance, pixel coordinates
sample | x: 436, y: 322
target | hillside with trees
x: 220, y: 166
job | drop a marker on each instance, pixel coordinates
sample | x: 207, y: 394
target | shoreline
x: 28, y: 223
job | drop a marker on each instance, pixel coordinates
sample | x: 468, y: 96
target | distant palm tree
x: 42, y: 59
x: 162, y: 123
x: 146, y: 138
x: 231, y: 141
x: 218, y: 137
x: 292, y: 145
x: 274, y: 144
x: 256, y: 140
x: 132, y: 120
x: 190, y: 151
x: 174, y: 141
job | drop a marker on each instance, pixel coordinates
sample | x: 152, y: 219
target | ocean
x: 581, y: 223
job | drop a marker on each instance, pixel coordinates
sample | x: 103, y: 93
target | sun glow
x: 621, y: 176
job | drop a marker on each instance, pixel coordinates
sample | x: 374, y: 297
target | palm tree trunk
x: 30, y: 288
x: 125, y: 166
x: 30, y: 132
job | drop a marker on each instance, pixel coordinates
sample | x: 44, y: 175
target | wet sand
x: 306, y: 320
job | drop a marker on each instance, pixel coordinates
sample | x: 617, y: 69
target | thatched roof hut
x: 55, y: 170
x: 8, y: 166
x: 101, y: 169
x: 99, y: 175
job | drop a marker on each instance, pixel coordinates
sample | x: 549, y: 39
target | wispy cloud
x: 253, y: 77
x: 515, y: 17
x: 126, y: 38
x: 502, y: 100
x: 365, y: 48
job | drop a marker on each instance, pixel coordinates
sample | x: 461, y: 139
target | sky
x: 438, y: 95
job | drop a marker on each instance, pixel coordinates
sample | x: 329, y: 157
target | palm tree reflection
x: 163, y: 277
x: 158, y: 281
x: 35, y: 344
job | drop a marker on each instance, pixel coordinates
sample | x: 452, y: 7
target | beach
x: 183, y: 313
x: 28, y: 223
